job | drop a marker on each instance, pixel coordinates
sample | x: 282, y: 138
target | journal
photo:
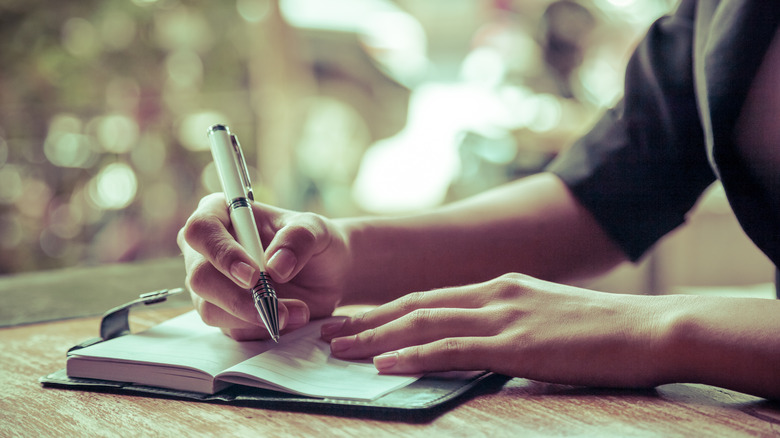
x: 185, y: 354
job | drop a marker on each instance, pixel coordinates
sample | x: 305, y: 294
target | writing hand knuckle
x: 307, y: 228
x: 198, y: 276
x: 316, y: 222
x: 196, y: 227
x: 223, y: 253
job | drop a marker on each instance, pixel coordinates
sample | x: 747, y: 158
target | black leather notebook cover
x: 429, y: 393
x: 432, y: 391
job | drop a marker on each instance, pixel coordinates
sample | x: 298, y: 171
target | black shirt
x: 647, y: 161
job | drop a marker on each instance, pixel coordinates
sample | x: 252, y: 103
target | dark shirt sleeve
x: 644, y: 164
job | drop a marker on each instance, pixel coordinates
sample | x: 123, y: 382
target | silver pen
x: 234, y: 176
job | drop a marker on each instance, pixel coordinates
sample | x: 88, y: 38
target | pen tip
x: 275, y: 338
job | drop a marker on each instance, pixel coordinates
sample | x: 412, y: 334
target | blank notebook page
x: 302, y: 363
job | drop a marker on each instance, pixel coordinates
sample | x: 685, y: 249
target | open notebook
x: 185, y: 354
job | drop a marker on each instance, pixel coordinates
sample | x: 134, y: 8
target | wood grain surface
x: 518, y: 407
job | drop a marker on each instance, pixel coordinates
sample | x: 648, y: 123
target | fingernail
x: 386, y: 361
x: 342, y: 344
x: 282, y: 263
x: 298, y: 315
x: 242, y: 273
x: 332, y: 327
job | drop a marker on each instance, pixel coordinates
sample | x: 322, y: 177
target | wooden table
x: 518, y: 407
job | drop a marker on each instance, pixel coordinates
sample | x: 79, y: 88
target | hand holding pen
x: 307, y: 256
x: 233, y: 174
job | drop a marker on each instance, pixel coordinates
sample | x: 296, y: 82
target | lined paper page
x: 302, y: 364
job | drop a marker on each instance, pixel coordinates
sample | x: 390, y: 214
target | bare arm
x: 729, y: 342
x: 533, y: 225
x: 523, y: 326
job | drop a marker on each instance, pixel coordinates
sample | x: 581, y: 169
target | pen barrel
x: 225, y: 161
x: 246, y: 230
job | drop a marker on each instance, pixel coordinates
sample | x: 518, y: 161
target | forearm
x: 728, y: 342
x: 534, y: 226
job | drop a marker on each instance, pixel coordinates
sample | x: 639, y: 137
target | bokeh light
x: 547, y: 112
x: 253, y: 11
x: 10, y: 184
x: 66, y: 149
x: 106, y: 104
x: 181, y: 28
x: 117, y: 133
x: 192, y: 129
x: 114, y: 187
x: 65, y: 145
x: 209, y: 178
x: 602, y: 80
x: 80, y: 38
x: 185, y: 68
x: 484, y: 66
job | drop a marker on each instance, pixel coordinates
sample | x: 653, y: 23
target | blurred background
x: 343, y: 107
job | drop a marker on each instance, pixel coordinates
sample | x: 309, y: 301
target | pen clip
x: 243, y: 170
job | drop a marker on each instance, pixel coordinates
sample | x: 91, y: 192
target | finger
x: 294, y: 243
x: 451, y: 354
x: 293, y: 314
x: 215, y: 315
x: 419, y: 327
x: 219, y: 291
x: 207, y: 232
x: 297, y: 316
x: 466, y: 297
x: 203, y: 280
x: 223, y: 304
x: 191, y: 257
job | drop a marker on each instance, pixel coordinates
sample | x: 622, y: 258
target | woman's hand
x: 514, y: 325
x: 306, y: 256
